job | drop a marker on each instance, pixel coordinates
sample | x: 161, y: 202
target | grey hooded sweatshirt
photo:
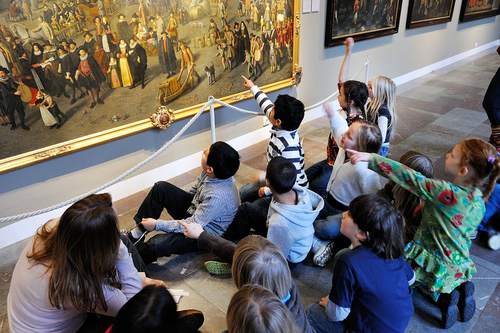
x: 290, y: 227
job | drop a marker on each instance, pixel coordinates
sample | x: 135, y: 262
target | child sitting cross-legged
x: 439, y: 252
x: 347, y: 180
x: 212, y: 202
x: 352, y: 99
x: 286, y: 115
x: 370, y: 284
x: 291, y: 213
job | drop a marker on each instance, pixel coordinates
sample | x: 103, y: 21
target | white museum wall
x: 58, y: 179
x: 392, y: 55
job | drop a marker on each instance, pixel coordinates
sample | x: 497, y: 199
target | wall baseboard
x: 443, y: 63
x: 25, y: 228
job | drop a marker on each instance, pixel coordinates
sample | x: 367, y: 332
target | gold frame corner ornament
x: 164, y: 117
x: 297, y: 74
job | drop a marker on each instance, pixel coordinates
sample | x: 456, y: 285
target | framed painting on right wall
x: 478, y: 9
x: 429, y: 12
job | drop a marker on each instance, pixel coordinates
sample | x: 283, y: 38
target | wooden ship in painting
x: 174, y: 86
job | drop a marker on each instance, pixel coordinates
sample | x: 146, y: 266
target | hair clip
x: 492, y: 159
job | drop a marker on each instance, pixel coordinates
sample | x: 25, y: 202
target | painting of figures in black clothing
x: 75, y: 73
x: 429, y: 12
x: 478, y: 9
x: 360, y: 19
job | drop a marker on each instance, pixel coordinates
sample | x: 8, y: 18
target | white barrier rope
x: 210, y: 103
x: 237, y: 108
x: 112, y: 182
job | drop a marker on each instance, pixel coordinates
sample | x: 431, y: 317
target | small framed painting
x: 429, y: 12
x: 478, y: 9
x: 360, y: 19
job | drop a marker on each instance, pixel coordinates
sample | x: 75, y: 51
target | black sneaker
x: 137, y: 234
x: 466, y: 303
x: 448, y: 303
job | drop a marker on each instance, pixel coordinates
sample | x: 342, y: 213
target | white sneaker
x: 494, y: 241
x: 323, y: 254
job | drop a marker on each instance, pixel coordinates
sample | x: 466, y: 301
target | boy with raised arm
x: 285, y: 115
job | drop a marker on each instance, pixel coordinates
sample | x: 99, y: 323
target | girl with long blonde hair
x: 381, y: 108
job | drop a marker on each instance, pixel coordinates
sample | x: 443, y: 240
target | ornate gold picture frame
x: 209, y: 58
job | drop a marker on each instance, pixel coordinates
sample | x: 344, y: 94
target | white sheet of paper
x: 315, y: 6
x: 306, y: 6
x: 177, y: 294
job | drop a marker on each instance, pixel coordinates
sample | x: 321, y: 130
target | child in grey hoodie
x: 290, y: 219
x: 292, y: 211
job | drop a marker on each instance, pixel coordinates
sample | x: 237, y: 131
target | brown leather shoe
x: 189, y: 321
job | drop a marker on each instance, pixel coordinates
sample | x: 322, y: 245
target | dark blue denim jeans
x: 316, y: 314
x: 328, y: 228
x: 319, y: 175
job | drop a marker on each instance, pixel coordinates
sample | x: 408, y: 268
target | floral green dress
x: 439, y: 252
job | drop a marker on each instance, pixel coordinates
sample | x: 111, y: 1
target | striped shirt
x: 283, y: 143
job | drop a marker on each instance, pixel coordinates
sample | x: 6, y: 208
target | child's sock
x: 136, y: 232
x: 317, y: 244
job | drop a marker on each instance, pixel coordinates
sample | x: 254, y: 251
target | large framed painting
x: 360, y: 19
x: 76, y: 73
x: 429, y: 12
x: 478, y: 9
